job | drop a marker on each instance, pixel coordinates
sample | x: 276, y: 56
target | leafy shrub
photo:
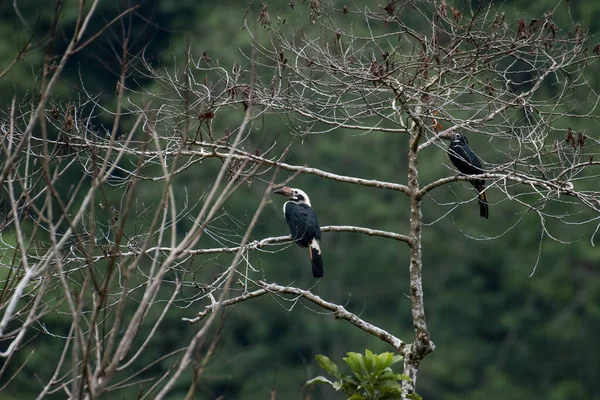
x: 372, y: 376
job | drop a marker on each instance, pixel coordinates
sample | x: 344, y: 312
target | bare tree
x: 426, y: 72
x: 422, y: 71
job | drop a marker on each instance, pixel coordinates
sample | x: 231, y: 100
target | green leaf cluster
x: 372, y: 376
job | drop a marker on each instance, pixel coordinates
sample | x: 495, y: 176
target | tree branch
x: 338, y: 311
x: 245, y: 156
x: 257, y: 244
x: 561, y: 187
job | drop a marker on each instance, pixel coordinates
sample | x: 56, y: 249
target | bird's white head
x: 296, y: 195
x: 458, y: 137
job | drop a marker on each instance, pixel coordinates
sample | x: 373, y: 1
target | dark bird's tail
x: 483, y: 205
x: 315, y: 258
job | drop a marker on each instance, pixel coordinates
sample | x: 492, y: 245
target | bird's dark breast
x: 303, y: 223
x: 466, y: 161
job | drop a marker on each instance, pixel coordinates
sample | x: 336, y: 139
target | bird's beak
x: 446, y: 135
x: 284, y: 191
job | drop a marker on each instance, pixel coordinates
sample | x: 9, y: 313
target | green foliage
x: 372, y: 379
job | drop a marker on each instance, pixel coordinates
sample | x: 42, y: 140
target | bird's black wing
x: 303, y: 223
x: 464, y: 159
x: 468, y: 163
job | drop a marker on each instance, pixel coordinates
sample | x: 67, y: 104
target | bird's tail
x: 315, y: 258
x: 483, y: 205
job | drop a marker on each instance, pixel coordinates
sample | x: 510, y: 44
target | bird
x: 304, y: 225
x: 467, y: 162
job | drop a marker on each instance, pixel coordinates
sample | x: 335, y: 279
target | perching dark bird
x: 304, y: 225
x: 468, y: 163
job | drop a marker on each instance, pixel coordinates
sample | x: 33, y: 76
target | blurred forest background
x: 500, y: 331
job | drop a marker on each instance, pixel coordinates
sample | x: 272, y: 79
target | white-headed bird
x: 467, y: 162
x: 304, y: 225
